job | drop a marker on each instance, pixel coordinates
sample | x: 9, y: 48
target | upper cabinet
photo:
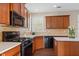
x: 19, y: 8
x: 48, y: 22
x: 23, y: 9
x: 66, y: 21
x: 57, y: 22
x: 4, y: 13
x: 16, y: 7
x: 10, y: 10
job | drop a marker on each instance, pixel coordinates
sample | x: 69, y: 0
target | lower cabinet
x: 38, y: 43
x: 12, y: 52
x: 67, y: 48
x: 42, y: 42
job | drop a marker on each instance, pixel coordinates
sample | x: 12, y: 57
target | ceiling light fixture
x: 56, y: 6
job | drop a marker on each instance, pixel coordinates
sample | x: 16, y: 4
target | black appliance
x: 16, y: 19
x: 49, y: 41
x: 27, y: 48
x: 11, y: 36
x: 14, y: 36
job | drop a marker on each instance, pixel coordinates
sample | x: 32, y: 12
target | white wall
x: 39, y: 23
x: 78, y: 26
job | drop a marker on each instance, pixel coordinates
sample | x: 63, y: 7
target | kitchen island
x: 65, y: 46
x: 10, y: 48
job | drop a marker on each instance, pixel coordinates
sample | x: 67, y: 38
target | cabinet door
x: 1, y: 13
x: 4, y: 13
x: 65, y: 22
x: 23, y: 9
x: 67, y: 48
x: 54, y: 22
x: 39, y: 42
x: 64, y: 48
x: 74, y: 48
x: 16, y: 7
x: 55, y: 47
x: 60, y: 48
x: 48, y: 22
x: 12, y: 52
x: 57, y: 22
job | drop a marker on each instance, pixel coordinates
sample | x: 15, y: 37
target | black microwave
x: 16, y: 19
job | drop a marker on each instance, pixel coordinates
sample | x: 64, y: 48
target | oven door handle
x: 27, y: 45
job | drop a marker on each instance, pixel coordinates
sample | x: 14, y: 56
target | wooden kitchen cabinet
x: 45, y: 42
x: 16, y: 7
x: 4, y: 13
x: 19, y: 8
x: 23, y: 9
x: 68, y: 48
x: 12, y: 52
x: 63, y: 48
x: 57, y: 22
x: 5, y: 9
x: 48, y: 22
x: 38, y: 43
x: 66, y: 21
x: 55, y: 47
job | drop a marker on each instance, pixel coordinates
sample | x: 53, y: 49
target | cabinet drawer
x: 12, y: 52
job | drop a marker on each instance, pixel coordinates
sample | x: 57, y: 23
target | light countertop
x: 31, y: 36
x: 5, y: 46
x: 66, y: 39
x: 59, y: 38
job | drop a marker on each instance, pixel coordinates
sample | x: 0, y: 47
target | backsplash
x: 54, y: 32
x: 23, y: 31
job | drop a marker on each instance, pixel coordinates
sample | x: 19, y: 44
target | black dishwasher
x: 49, y: 41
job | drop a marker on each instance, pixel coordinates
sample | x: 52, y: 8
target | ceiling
x: 51, y: 7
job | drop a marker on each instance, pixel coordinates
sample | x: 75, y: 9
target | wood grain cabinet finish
x: 16, y: 7
x: 23, y: 9
x: 48, y: 22
x: 66, y: 21
x: 57, y: 22
x: 55, y: 47
x: 38, y: 43
x: 4, y: 13
x: 12, y: 52
x: 67, y: 48
x: 5, y: 9
x: 19, y: 8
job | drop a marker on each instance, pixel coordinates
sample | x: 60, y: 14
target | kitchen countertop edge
x: 14, y: 45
